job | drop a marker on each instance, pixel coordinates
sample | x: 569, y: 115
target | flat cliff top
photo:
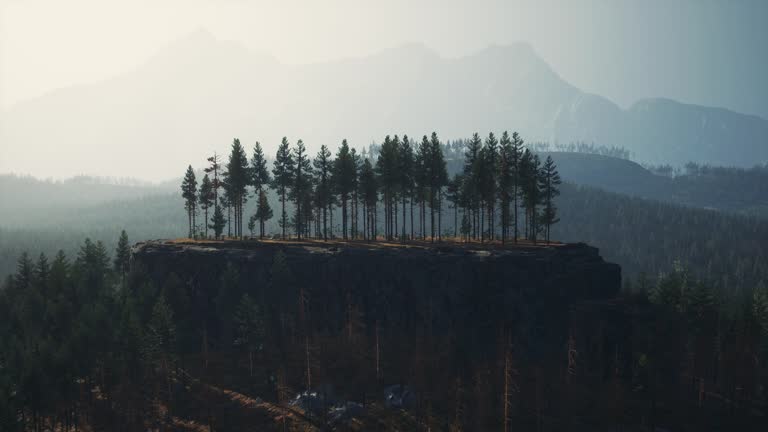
x: 446, y: 251
x: 415, y: 247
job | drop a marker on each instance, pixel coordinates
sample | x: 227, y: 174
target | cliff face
x: 443, y: 290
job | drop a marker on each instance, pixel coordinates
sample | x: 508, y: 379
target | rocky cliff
x: 475, y: 291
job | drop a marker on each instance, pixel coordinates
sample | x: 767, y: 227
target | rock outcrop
x: 474, y: 291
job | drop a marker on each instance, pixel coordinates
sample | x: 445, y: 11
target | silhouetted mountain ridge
x: 197, y: 93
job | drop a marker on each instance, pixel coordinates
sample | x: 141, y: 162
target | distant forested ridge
x: 715, y: 244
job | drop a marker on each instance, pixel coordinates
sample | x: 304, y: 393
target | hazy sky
x: 697, y: 51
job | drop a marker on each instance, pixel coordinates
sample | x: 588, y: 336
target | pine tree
x: 549, y: 182
x: 42, y: 274
x: 225, y: 201
x: 422, y: 181
x: 369, y: 193
x: 159, y: 345
x: 252, y: 224
x: 531, y: 191
x: 214, y: 167
x: 226, y: 302
x: 263, y: 212
x: 438, y: 178
x: 453, y: 193
x: 506, y: 179
x: 356, y: 165
x: 406, y: 181
x: 388, y: 178
x: 300, y: 187
x: 122, y: 255
x: 206, y: 199
x: 249, y: 321
x: 760, y: 307
x: 515, y: 158
x: 282, y: 177
x: 472, y: 170
x: 323, y: 188
x: 59, y: 276
x: 237, y: 178
x: 344, y: 182
x: 260, y: 177
x: 189, y: 193
x: 217, y: 222
x: 489, y: 180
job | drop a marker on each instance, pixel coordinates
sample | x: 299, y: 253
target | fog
x: 698, y: 52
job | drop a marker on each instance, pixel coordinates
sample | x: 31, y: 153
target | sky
x: 695, y: 51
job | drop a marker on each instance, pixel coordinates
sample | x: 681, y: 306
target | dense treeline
x: 641, y: 235
x: 87, y: 342
x: 503, y: 188
x: 739, y: 189
x: 729, y: 251
x: 66, y: 330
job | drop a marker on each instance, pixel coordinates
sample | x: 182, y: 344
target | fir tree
x: 263, y: 212
x: 489, y: 179
x: 206, y: 199
x: 438, y: 178
x: 369, y: 194
x: 387, y: 170
x: 549, y: 182
x: 323, y: 188
x: 344, y: 181
x: 505, y: 182
x: 217, y: 222
x: 214, y: 167
x: 42, y: 274
x: 406, y: 181
x: 282, y: 177
x: 515, y: 156
x: 422, y: 181
x: 237, y: 178
x: 189, y: 193
x: 259, y: 172
x: 471, y: 190
x: 453, y: 193
x: 249, y: 321
x: 300, y: 188
x: 122, y: 255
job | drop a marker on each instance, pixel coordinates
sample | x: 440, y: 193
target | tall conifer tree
x: 206, y: 199
x: 189, y: 193
x: 323, y: 165
x: 282, y: 173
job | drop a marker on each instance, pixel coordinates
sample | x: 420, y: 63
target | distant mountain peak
x: 408, y: 51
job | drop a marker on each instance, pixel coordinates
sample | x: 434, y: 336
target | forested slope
x: 641, y: 235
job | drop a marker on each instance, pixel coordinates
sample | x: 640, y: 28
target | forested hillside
x: 641, y: 235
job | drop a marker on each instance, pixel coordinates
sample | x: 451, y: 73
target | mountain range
x: 198, y: 93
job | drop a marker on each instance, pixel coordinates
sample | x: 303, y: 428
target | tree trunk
x: 411, y: 202
x: 283, y: 214
x: 455, y: 221
x: 403, y: 234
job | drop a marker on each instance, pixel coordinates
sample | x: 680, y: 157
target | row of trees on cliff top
x: 502, y: 192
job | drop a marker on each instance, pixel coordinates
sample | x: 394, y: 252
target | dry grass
x: 380, y: 243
